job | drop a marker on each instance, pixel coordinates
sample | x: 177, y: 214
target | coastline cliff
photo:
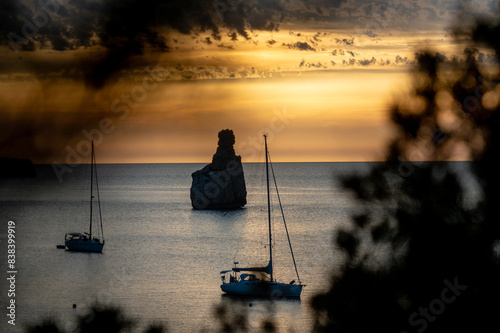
x: 16, y: 168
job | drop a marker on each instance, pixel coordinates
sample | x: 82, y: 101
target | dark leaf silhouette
x: 429, y: 263
x: 103, y: 319
x: 46, y: 326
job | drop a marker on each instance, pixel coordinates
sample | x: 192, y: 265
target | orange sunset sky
x: 154, y: 81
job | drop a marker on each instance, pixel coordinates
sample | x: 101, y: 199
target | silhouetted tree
x: 421, y: 255
x: 231, y: 318
x: 155, y: 328
x: 105, y: 319
x: 46, y: 326
x: 99, y: 318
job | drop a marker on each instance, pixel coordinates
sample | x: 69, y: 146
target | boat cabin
x: 234, y: 275
x: 77, y: 236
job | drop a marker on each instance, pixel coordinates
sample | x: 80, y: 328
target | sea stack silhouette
x: 220, y: 184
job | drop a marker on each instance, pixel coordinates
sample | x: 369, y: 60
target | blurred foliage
x: 230, y: 316
x: 421, y: 254
x: 97, y: 319
x: 46, y: 326
x: 230, y: 319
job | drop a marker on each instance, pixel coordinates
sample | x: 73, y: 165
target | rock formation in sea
x: 220, y: 184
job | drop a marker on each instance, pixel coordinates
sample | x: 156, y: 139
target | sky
x: 155, y: 81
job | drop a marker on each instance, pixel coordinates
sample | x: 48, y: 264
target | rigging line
x: 269, y: 211
x: 91, y: 189
x: 98, y: 198
x: 284, y: 222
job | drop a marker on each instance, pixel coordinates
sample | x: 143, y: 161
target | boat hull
x: 262, y: 289
x: 84, y: 245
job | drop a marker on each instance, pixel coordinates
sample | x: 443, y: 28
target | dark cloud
x: 441, y: 57
x: 127, y: 28
x: 345, y: 41
x: 486, y: 58
x: 10, y: 16
x: 119, y: 33
x: 302, y: 46
x: 367, y: 62
x: 233, y: 36
x: 133, y: 25
x: 318, y: 64
x: 317, y: 36
x: 351, y: 62
x: 401, y: 60
x: 222, y: 46
x: 383, y: 62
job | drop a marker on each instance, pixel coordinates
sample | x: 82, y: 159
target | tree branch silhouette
x: 422, y: 255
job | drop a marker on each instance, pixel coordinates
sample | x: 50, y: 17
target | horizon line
x: 263, y: 162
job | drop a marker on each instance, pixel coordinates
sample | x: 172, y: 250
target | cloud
x: 401, y: 60
x: 345, y: 41
x: 366, y: 62
x: 233, y: 36
x: 318, y: 64
x: 351, y: 62
x: 222, y: 46
x: 302, y: 46
x: 487, y: 58
x: 127, y: 29
x: 103, y: 41
x: 317, y: 36
x: 338, y: 52
x: 136, y: 23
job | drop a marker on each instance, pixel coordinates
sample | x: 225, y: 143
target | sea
x: 161, y: 259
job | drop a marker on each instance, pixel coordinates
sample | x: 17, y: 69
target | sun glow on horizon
x: 322, y: 94
x: 335, y: 116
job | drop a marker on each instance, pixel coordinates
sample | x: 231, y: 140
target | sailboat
x: 86, y: 242
x: 260, y: 281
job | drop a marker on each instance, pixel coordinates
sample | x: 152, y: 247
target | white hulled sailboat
x: 85, y: 242
x: 259, y: 281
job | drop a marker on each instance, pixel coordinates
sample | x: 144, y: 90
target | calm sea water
x: 162, y: 259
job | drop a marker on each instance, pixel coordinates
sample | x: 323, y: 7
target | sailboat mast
x: 269, y: 211
x: 91, y: 183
